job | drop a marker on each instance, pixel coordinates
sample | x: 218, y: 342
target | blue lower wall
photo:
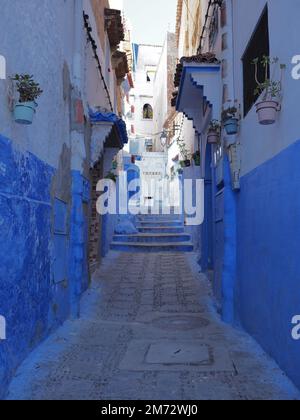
x: 79, y: 276
x: 30, y: 300
x: 268, y: 249
x: 25, y: 254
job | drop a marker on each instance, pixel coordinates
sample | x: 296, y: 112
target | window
x: 258, y: 46
x: 148, y: 112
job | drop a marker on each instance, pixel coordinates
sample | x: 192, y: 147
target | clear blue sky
x: 151, y: 19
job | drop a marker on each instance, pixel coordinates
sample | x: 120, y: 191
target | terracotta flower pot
x: 213, y: 137
x: 267, y: 112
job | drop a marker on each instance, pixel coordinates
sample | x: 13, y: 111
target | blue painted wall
x: 230, y: 247
x: 33, y: 301
x: 207, y: 226
x: 225, y: 243
x: 79, y: 276
x: 25, y: 254
x: 268, y: 246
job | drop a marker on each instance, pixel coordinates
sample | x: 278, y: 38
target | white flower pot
x: 267, y: 112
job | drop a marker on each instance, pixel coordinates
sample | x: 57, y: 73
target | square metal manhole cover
x: 173, y: 353
x: 176, y: 355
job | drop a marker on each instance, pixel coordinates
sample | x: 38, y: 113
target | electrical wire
x: 94, y: 47
x: 207, y: 16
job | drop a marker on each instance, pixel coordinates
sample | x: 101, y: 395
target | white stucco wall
x: 160, y: 101
x: 48, y: 41
x: 259, y: 143
x: 148, y: 58
x: 94, y: 92
x: 38, y: 44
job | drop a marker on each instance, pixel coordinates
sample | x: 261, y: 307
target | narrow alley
x: 149, y: 331
x: 149, y: 218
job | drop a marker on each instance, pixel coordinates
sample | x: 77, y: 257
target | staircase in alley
x: 162, y: 233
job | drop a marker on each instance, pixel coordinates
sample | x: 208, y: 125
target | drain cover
x: 178, y: 353
x: 181, y: 323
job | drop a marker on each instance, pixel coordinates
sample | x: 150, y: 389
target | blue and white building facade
x: 46, y: 169
x: 252, y: 229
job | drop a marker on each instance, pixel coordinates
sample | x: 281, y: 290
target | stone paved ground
x: 148, y: 331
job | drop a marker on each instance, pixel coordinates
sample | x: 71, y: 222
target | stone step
x: 162, y: 230
x: 176, y: 223
x: 166, y: 218
x: 153, y: 238
x: 155, y: 248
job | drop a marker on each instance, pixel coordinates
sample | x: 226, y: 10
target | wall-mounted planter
x: 185, y: 163
x: 197, y: 158
x: 24, y: 112
x: 213, y: 137
x: 267, y: 112
x: 231, y: 126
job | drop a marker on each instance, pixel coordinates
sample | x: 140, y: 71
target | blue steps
x: 167, y: 223
x: 153, y: 238
x: 163, y: 230
x: 148, y: 247
x: 163, y: 233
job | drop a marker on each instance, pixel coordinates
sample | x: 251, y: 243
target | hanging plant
x: 214, y: 130
x: 230, y: 120
x: 186, y: 162
x: 29, y: 91
x: 113, y: 177
x: 114, y: 164
x: 269, y: 90
x: 197, y: 158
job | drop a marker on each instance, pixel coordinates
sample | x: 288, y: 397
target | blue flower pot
x: 24, y: 112
x: 231, y: 126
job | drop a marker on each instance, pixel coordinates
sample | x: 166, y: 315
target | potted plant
x: 186, y: 162
x: 197, y: 158
x: 230, y: 120
x: 213, y: 136
x: 29, y: 91
x: 269, y: 90
x: 114, y: 164
x: 113, y: 177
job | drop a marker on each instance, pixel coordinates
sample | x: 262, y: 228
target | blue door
x: 60, y: 238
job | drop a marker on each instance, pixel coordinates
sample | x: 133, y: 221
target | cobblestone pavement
x: 149, y: 331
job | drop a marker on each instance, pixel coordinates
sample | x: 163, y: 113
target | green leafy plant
x: 115, y: 164
x: 197, y: 158
x: 214, y: 125
x: 28, y: 89
x: 113, y: 177
x: 183, y: 150
x: 229, y: 113
x: 269, y: 87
